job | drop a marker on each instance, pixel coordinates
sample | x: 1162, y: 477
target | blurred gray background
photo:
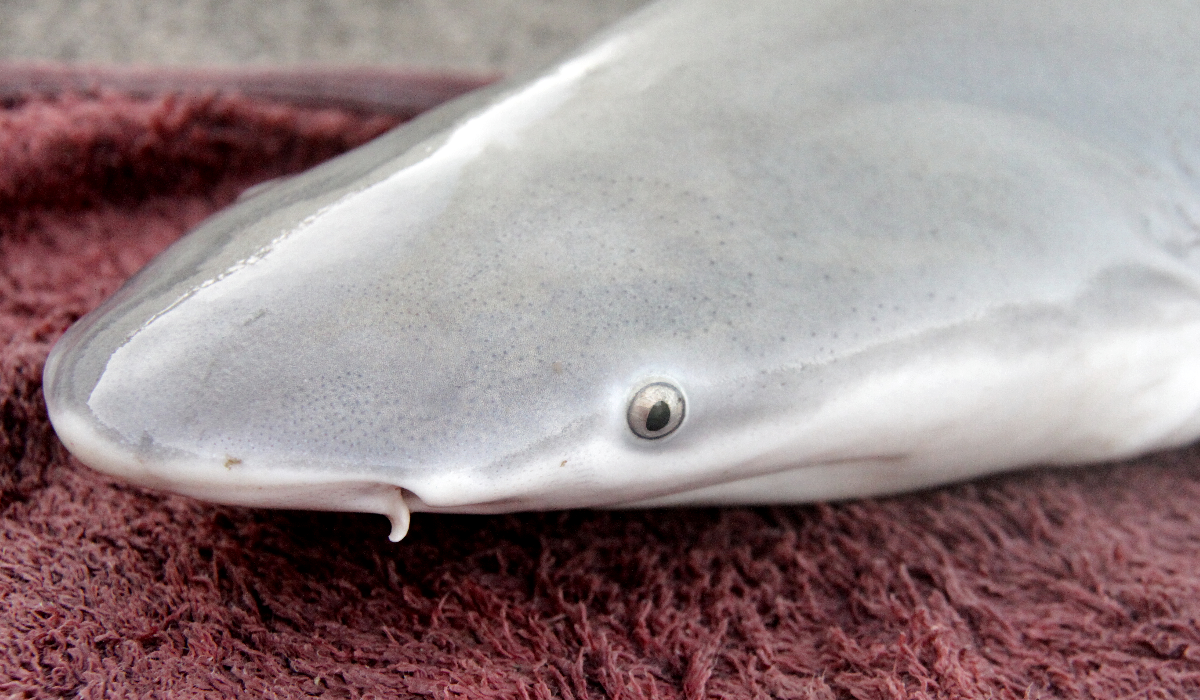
x: 487, y: 35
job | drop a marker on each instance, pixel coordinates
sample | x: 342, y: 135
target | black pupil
x: 658, y: 417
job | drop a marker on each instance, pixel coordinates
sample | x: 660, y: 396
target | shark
x: 763, y: 252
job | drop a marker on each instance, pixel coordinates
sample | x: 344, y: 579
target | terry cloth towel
x: 1079, y: 583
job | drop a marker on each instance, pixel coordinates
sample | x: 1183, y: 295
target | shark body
x: 726, y: 253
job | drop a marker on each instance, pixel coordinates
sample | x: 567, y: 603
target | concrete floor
x: 506, y: 35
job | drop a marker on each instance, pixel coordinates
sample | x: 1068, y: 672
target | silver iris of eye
x: 656, y: 410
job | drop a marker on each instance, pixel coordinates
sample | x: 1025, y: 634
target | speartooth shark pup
x: 754, y: 252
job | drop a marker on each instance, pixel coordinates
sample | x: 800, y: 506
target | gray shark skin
x: 871, y: 246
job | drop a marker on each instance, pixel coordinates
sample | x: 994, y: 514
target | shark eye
x: 656, y: 410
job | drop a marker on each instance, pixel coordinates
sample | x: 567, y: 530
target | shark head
x: 614, y: 285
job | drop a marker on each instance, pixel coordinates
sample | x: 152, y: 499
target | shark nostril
x: 656, y: 410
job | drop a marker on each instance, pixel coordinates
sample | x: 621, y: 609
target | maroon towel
x: 1080, y: 583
